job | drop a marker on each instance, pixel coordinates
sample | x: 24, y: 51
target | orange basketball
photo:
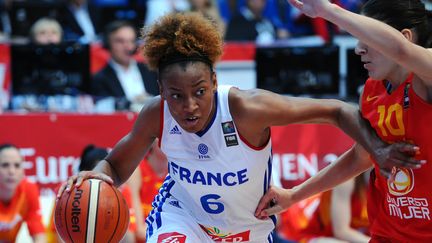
x: 94, y: 212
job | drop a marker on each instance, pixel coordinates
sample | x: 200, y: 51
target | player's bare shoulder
x: 249, y: 102
x: 238, y: 101
x: 247, y: 105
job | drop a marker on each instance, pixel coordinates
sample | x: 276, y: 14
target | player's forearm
x: 353, y: 124
x: 108, y: 169
x: 347, y: 166
x: 373, y: 33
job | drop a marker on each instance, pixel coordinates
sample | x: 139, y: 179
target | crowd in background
x: 124, y: 83
x: 84, y: 20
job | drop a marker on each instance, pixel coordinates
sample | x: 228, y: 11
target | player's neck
x: 397, y: 77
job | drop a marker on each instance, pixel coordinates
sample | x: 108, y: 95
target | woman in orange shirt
x: 19, y: 198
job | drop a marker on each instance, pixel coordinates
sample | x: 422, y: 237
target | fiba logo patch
x: 403, y: 181
x: 203, y: 150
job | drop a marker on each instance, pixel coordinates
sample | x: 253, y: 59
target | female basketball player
x: 217, y: 139
x: 397, y: 100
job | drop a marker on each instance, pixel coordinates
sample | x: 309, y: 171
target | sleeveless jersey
x: 216, y: 176
x: 400, y: 210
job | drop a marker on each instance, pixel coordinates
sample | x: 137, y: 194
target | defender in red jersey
x: 19, y: 199
x: 397, y: 102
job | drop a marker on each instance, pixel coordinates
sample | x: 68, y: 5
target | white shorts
x: 173, y: 224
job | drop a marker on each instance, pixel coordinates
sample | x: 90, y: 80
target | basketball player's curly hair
x: 181, y: 34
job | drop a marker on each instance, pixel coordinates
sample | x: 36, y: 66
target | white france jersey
x: 216, y: 177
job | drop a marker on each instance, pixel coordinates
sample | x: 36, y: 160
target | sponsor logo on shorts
x: 171, y: 237
x: 218, y: 236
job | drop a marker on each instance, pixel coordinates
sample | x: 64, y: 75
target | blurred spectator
x: 46, y: 31
x: 210, y: 10
x: 338, y: 215
x: 250, y: 24
x: 5, y: 25
x: 145, y: 183
x: 298, y: 24
x: 80, y: 21
x: 271, y: 12
x: 19, y: 198
x: 90, y: 157
x: 158, y: 8
x: 123, y: 77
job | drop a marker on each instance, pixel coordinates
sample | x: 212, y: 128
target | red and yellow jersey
x: 151, y: 183
x: 400, y: 209
x: 312, y: 217
x: 24, y: 207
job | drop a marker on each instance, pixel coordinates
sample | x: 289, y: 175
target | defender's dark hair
x: 401, y: 14
x: 90, y: 156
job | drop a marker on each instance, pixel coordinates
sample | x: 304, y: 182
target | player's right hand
x: 78, y: 179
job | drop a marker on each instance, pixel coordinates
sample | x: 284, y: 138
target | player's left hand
x: 275, y: 201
